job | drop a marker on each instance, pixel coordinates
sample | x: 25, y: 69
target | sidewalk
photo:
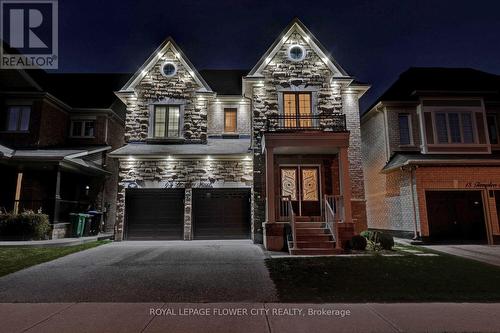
x: 256, y: 317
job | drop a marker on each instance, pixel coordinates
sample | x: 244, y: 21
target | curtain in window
x: 454, y: 123
x: 467, y: 128
x: 173, y: 121
x: 18, y: 118
x: 160, y: 121
x: 492, y: 129
x: 441, y: 128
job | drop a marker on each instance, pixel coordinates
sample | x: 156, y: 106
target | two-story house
x: 431, y: 153
x: 55, y: 132
x: 243, y: 154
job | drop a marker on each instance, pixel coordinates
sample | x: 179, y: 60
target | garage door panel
x: 455, y: 216
x: 221, y: 213
x: 155, y: 214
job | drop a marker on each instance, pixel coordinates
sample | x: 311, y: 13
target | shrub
x: 386, y: 241
x: 358, y: 242
x: 24, y: 226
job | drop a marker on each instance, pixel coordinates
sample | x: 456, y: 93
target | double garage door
x: 158, y: 214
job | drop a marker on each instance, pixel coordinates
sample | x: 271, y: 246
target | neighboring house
x: 55, y: 133
x: 431, y: 155
x: 219, y: 153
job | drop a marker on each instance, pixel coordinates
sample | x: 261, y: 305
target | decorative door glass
x: 310, y: 184
x: 289, y: 183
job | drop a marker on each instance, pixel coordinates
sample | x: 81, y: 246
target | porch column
x: 270, y: 200
x: 57, y: 202
x: 345, y: 183
x: 17, y: 195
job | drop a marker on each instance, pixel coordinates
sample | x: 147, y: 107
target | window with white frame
x: 166, y: 120
x: 404, y: 129
x: 17, y: 118
x: 455, y: 128
x: 83, y: 128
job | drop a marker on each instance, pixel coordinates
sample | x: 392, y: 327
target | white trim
x: 168, y: 62
x: 289, y: 52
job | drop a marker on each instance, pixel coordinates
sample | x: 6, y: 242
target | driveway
x: 485, y: 253
x: 174, y: 271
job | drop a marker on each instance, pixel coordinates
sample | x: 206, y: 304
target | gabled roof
x: 224, y: 81
x: 418, y: 80
x: 297, y: 26
x: 168, y: 43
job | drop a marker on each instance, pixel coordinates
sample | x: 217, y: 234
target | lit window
x: 404, y: 129
x: 230, y: 120
x: 166, y: 121
x: 18, y: 118
x: 297, y: 110
x: 296, y: 53
x: 82, y: 128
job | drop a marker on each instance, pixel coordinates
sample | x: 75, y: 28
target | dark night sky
x: 373, y: 40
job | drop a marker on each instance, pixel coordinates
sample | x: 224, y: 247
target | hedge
x: 27, y: 225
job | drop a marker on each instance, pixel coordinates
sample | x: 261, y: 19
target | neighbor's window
x: 404, y: 129
x: 493, y: 128
x: 17, y: 118
x: 230, y: 120
x: 166, y: 121
x: 83, y: 128
x: 454, y: 127
x: 297, y: 109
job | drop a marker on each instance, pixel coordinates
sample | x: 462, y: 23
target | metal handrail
x: 333, y: 209
x: 289, y: 216
x: 335, y: 122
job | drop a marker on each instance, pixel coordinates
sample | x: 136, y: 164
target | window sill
x: 14, y: 132
x: 82, y: 137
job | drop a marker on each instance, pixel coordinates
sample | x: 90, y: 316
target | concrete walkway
x: 489, y: 254
x: 255, y: 317
x: 173, y: 271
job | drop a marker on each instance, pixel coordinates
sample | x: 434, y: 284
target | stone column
x: 270, y: 199
x: 57, y: 199
x: 345, y: 183
x: 188, y: 205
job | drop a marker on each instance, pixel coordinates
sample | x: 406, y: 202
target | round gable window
x: 296, y: 53
x: 168, y: 69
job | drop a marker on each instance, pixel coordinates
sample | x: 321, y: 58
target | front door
x: 302, y: 184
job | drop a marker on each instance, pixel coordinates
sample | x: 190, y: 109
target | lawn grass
x: 13, y: 259
x: 408, y: 278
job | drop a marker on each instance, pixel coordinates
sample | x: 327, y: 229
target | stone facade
x: 155, y: 87
x: 216, y: 117
x: 314, y: 75
x: 180, y: 174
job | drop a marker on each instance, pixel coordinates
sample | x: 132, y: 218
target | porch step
x: 314, y: 238
x: 315, y: 244
x: 310, y: 225
x: 308, y: 218
x: 311, y: 231
x: 315, y: 251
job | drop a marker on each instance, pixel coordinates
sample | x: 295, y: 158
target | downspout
x: 414, y: 206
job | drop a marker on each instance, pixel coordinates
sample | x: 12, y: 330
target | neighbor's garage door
x: 455, y: 216
x: 221, y: 213
x: 154, y: 214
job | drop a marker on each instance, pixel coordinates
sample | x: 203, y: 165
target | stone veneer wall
x: 180, y: 174
x: 312, y: 71
x: 155, y: 87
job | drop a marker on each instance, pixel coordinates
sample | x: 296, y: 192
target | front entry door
x: 302, y: 184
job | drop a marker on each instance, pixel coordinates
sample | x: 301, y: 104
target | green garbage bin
x: 78, y: 224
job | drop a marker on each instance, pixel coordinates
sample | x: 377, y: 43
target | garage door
x: 221, y: 213
x: 456, y: 216
x: 154, y: 214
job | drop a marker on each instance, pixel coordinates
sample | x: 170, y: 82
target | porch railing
x: 335, y: 122
x: 334, y: 212
x: 287, y: 214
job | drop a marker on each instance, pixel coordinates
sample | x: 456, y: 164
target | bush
x: 386, y: 241
x: 24, y: 226
x: 378, y: 240
x: 358, y: 242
